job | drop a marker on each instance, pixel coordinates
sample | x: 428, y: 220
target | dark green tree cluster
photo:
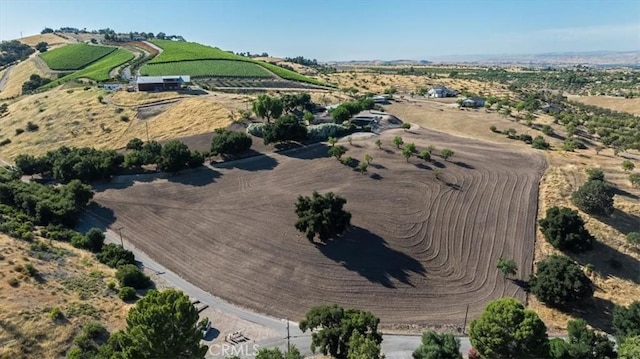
x: 33, y: 83
x: 582, y: 343
x: 129, y: 275
x: 267, y: 107
x: 276, y: 353
x: 115, y: 256
x: 283, y: 129
x: 558, y: 281
x: 226, y: 142
x: 297, y: 103
x: 14, y: 50
x: 594, y: 197
x: 42, y: 46
x: 564, y: 229
x: 337, y: 331
x: 322, y: 216
x: 348, y: 109
x: 440, y: 346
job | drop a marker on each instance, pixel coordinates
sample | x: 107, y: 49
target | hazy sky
x: 351, y: 29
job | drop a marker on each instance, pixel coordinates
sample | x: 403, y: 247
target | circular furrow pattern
x: 419, y: 252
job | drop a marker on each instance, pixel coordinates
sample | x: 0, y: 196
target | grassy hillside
x: 183, y: 52
x: 74, y: 57
x: 66, y: 278
x: 51, y: 39
x: 206, y: 68
x: 99, y: 70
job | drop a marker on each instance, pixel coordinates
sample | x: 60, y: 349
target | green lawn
x: 99, y: 70
x: 75, y: 56
x: 206, y: 68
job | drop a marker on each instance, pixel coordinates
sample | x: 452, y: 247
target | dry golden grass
x: 377, y: 83
x: 128, y: 99
x: 75, y: 117
x: 305, y: 70
x: 18, y: 76
x: 565, y: 174
x: 27, y: 329
x: 631, y: 105
x: 51, y: 39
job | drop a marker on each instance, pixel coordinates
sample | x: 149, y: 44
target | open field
x: 97, y: 71
x: 631, y: 105
x: 421, y: 249
x: 75, y: 117
x: 51, y: 39
x: 75, y: 56
x: 69, y: 279
x: 18, y: 76
x: 214, y: 68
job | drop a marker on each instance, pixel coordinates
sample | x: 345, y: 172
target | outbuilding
x: 161, y: 83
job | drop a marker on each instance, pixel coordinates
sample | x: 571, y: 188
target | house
x: 161, y: 83
x: 472, y: 102
x: 380, y: 99
x: 441, y: 91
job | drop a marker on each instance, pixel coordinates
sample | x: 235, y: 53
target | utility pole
x: 288, y: 338
x: 464, y: 326
x: 119, y: 229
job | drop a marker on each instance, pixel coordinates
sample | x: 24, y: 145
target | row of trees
x: 88, y: 164
x: 14, y: 50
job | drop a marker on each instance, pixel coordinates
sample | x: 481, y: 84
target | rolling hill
x: 74, y: 57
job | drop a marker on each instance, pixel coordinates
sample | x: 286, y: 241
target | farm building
x: 441, y: 91
x: 161, y: 83
x: 112, y: 87
x: 472, y: 102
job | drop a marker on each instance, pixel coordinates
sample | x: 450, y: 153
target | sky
x: 341, y: 30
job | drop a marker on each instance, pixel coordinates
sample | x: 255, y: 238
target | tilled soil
x: 420, y: 252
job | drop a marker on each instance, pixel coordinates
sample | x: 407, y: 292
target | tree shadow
x: 211, y: 334
x: 453, y: 186
x: 257, y: 162
x: 311, y: 152
x: 376, y: 176
x: 126, y: 180
x: 609, y: 262
x: 523, y: 284
x: 621, y: 192
x: 197, y: 177
x: 596, y: 311
x: 389, y: 152
x: 422, y: 166
x: 464, y: 165
x: 621, y: 221
x: 95, y: 215
x: 438, y: 164
x: 377, y: 166
x: 369, y: 255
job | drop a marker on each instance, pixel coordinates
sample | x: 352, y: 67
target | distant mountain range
x: 593, y: 58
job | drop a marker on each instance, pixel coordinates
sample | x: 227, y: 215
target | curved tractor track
x: 420, y: 251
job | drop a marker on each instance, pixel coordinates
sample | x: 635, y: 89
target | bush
x: 539, y: 143
x: 32, y: 127
x: 129, y: 275
x: 493, y: 128
x: 135, y: 144
x: 100, y: 98
x: 564, y: 229
x: 594, y: 197
x: 5, y: 142
x: 127, y: 293
x: 115, y: 256
x: 124, y: 118
x: 226, y: 142
x: 547, y: 130
x: 30, y: 270
x: 19, y: 131
x: 111, y: 285
x: 256, y: 129
x: 406, y: 126
x: 558, y: 281
x: 633, y: 238
x: 626, y: 320
x: 92, y: 241
x: 594, y: 174
x: 55, y: 313
x: 285, y: 128
x: 323, y: 131
x: 14, y: 282
x: 525, y: 138
x: 634, y: 178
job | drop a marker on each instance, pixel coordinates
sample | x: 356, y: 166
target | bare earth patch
x: 631, y: 105
x: 420, y: 251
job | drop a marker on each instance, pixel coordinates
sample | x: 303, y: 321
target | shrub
x: 628, y: 165
x: 115, y: 256
x: 564, y: 229
x: 626, y: 320
x: 594, y: 174
x: 256, y: 129
x: 493, y: 128
x: 124, y: 118
x: 397, y: 141
x: 100, y: 98
x: 633, y: 238
x: 594, y: 197
x: 30, y: 269
x: 55, y: 313
x: 559, y: 281
x: 285, y: 128
x: 446, y: 153
x: 337, y: 151
x: 406, y: 125
x: 32, y: 127
x: 539, y: 143
x: 347, y: 161
x: 129, y: 275
x: 226, y: 142
x: 425, y: 155
x: 127, y: 293
x: 19, y: 131
x: 111, y: 285
x: 525, y: 138
x: 324, y: 131
x: 547, y: 130
x: 634, y: 178
x: 5, y: 142
x: 13, y: 282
